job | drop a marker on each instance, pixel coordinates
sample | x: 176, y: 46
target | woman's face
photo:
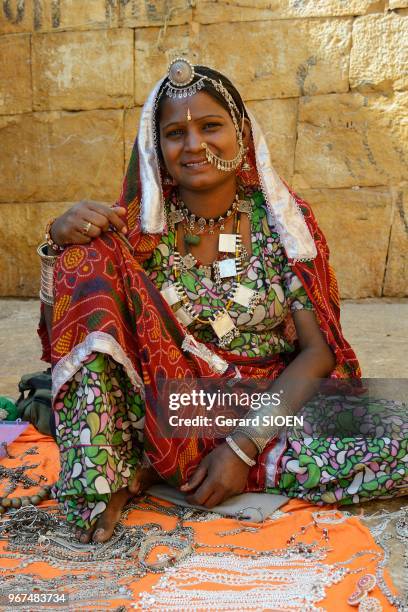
x: 181, y: 139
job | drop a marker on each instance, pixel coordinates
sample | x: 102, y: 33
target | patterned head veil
x: 143, y: 190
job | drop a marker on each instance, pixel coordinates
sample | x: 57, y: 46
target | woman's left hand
x: 220, y: 475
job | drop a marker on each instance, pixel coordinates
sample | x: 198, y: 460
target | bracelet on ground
x: 238, y: 451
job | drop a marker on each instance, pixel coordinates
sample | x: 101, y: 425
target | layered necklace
x: 233, y: 253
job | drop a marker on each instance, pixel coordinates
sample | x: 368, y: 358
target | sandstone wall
x: 326, y: 78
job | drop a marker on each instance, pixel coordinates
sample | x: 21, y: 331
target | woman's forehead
x: 174, y: 110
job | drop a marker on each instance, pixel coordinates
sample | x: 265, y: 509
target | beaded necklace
x: 221, y: 322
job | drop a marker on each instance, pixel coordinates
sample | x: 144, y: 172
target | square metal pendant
x: 244, y: 206
x: 243, y: 295
x: 227, y: 243
x: 184, y: 316
x: 175, y: 216
x: 171, y: 295
x: 227, y: 267
x: 189, y: 261
x: 222, y: 324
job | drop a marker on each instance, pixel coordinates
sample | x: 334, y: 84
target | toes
x: 85, y: 536
x: 108, y: 519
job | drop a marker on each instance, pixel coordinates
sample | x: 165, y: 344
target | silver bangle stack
x: 261, y: 435
x: 47, y: 275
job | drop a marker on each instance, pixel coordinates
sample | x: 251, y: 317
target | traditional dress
x: 115, y: 336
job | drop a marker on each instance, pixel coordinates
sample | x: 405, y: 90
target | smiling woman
x: 207, y: 266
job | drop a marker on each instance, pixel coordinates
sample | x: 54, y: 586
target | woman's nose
x: 193, y: 140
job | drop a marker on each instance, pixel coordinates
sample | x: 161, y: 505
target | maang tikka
x: 181, y: 74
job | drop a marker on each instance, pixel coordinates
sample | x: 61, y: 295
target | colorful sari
x: 114, y: 338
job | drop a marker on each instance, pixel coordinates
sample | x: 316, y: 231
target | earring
x: 167, y: 179
x: 246, y: 166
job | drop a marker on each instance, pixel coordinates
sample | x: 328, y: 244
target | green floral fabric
x: 267, y: 271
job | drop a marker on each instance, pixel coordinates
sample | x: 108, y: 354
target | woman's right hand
x: 71, y: 227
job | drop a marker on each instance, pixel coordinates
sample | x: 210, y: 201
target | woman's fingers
x: 214, y: 499
x: 204, y: 492
x: 97, y: 219
x: 113, y: 215
x: 196, y: 479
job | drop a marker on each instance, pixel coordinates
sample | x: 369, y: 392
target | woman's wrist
x: 245, y: 444
x: 53, y: 241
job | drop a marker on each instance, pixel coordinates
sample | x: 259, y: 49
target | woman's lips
x: 197, y: 164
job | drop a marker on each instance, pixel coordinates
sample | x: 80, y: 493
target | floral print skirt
x: 99, y: 426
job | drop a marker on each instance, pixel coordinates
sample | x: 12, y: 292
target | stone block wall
x: 327, y: 80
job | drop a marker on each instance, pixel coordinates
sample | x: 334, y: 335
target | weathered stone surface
x: 21, y: 231
x: 132, y: 116
x: 75, y: 14
x: 374, y: 70
x: 277, y: 119
x: 155, y: 48
x: 52, y: 15
x: 351, y: 139
x: 397, y: 4
x: 396, y: 277
x: 214, y: 11
x: 15, y: 74
x: 138, y: 13
x: 61, y: 156
x: 71, y: 72
x: 356, y: 224
x: 287, y: 58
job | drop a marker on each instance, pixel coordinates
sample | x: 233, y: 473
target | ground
x: 376, y: 328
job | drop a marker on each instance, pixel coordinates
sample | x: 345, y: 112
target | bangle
x: 255, y: 436
x: 238, y: 451
x: 49, y: 240
x: 261, y: 435
x: 47, y: 275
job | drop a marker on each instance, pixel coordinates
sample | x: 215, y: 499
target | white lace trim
x: 216, y: 363
x: 95, y: 342
x: 287, y: 215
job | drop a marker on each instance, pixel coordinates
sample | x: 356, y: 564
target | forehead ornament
x: 180, y: 74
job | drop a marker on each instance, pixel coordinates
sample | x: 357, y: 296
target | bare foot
x: 143, y: 479
x: 104, y: 526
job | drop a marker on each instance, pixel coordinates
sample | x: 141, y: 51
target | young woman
x: 208, y: 266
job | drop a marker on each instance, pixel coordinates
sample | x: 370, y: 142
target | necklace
x: 17, y: 476
x: 189, y: 221
x: 220, y: 321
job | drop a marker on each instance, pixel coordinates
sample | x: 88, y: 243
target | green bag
x: 34, y: 404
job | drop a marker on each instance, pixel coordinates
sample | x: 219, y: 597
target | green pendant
x: 192, y: 239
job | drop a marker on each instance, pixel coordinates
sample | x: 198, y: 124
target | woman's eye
x: 211, y: 125
x: 176, y: 132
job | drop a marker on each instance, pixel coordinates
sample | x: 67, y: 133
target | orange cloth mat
x: 345, y: 539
